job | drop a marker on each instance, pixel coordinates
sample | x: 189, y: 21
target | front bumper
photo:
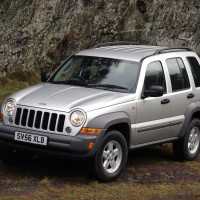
x: 57, y: 145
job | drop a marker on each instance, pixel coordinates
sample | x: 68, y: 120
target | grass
x: 95, y: 190
x: 102, y: 191
x: 146, y: 177
x: 16, y: 81
x: 151, y: 173
x: 194, y: 165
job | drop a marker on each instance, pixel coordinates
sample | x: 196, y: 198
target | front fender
x: 107, y: 120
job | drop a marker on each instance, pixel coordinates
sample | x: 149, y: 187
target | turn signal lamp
x: 91, y: 131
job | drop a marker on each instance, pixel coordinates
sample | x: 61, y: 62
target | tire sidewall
x: 102, y: 175
x: 194, y: 123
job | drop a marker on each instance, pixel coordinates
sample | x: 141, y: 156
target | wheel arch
x: 192, y: 111
x: 124, y: 129
x: 118, y: 121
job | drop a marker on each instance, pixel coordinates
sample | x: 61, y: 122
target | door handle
x: 189, y: 96
x: 165, y: 101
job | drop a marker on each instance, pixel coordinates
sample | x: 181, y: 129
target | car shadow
x: 72, y: 171
x: 152, y: 154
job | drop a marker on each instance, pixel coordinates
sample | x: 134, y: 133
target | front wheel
x: 111, y: 157
x: 188, y: 148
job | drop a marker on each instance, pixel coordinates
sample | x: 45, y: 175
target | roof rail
x: 115, y: 43
x: 172, y: 49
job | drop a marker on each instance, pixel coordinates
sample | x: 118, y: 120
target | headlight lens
x: 77, y: 118
x: 9, y: 107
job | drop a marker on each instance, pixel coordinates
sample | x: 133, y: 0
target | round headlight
x: 77, y: 118
x: 9, y: 107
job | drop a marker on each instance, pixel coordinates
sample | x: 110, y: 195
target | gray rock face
x: 38, y: 34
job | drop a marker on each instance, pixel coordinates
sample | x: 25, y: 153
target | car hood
x: 66, y: 97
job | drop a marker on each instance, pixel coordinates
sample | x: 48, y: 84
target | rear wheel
x: 111, y: 157
x: 13, y: 157
x: 188, y: 148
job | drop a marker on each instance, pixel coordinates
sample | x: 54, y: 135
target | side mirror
x: 45, y: 76
x: 154, y: 91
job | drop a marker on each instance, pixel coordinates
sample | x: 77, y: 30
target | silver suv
x: 102, y: 102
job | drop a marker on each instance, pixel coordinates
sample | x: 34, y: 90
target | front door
x: 153, y: 113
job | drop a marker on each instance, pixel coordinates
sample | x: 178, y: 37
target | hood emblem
x: 42, y: 104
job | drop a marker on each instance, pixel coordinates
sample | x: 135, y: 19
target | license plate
x: 30, y: 138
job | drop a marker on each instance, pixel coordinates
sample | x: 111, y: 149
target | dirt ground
x: 151, y: 173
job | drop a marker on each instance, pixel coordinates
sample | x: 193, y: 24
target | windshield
x: 97, y: 72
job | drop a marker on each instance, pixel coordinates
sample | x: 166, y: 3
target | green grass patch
x: 95, y: 190
x: 16, y: 81
x: 194, y: 165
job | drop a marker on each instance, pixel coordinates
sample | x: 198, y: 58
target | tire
x: 13, y: 157
x: 111, y: 156
x: 188, y: 148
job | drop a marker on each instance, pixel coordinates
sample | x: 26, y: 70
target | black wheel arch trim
x: 107, y: 120
x: 190, y: 111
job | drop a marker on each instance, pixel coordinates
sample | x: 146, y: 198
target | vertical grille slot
x: 24, y: 117
x: 38, y: 119
x: 53, y: 122
x: 18, y: 116
x: 45, y: 121
x: 31, y: 118
x: 61, y: 122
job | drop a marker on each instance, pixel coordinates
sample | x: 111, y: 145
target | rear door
x: 181, y: 92
x: 193, y: 61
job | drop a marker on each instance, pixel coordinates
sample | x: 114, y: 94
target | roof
x: 124, y: 52
x: 128, y: 52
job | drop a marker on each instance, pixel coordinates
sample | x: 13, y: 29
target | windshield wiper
x: 74, y: 82
x: 107, y: 86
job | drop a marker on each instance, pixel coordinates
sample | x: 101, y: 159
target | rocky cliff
x: 41, y: 33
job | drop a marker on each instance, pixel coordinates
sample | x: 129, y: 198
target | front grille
x: 39, y: 119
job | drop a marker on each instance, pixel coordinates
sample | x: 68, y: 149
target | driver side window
x: 155, y: 76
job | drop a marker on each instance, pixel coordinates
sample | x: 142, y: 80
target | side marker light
x: 1, y: 117
x: 90, y: 146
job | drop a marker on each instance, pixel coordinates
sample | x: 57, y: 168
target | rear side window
x: 195, y: 68
x: 178, y: 74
